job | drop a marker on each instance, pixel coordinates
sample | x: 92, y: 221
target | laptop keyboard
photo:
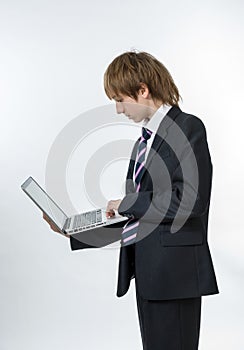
x: 87, y: 219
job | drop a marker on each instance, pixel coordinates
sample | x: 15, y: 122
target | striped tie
x: 130, y: 230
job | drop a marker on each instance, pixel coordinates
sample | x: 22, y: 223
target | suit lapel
x: 157, y: 143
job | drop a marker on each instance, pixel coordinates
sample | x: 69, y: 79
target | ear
x: 144, y: 91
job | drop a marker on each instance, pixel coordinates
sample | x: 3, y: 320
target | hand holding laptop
x: 110, y: 212
x: 52, y: 226
x: 77, y: 223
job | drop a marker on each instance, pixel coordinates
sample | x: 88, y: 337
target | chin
x: 134, y: 119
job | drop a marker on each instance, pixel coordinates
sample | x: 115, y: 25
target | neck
x: 153, y: 108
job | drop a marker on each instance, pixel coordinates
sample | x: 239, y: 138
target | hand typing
x: 111, y: 207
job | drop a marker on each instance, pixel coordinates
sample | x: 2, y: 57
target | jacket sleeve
x: 98, y: 237
x: 190, y: 190
x: 76, y: 244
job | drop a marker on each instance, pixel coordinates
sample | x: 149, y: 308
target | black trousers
x: 169, y: 324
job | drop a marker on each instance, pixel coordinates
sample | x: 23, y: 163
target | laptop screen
x: 44, y: 202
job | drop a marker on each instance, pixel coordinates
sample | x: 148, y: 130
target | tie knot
x: 146, y: 133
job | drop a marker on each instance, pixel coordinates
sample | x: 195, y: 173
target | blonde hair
x: 127, y: 72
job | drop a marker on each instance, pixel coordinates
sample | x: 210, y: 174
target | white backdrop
x: 52, y: 59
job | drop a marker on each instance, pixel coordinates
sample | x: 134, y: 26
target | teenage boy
x: 168, y: 182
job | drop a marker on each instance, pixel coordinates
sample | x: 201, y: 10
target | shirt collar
x: 153, y: 123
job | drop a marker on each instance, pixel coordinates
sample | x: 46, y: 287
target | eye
x: 118, y: 99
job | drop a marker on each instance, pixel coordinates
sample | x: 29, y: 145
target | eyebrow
x: 115, y: 97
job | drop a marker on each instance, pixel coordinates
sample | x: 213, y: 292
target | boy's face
x: 134, y: 110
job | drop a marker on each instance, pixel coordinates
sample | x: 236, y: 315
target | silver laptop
x: 73, y: 224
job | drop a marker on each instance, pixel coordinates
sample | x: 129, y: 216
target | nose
x: 119, y: 107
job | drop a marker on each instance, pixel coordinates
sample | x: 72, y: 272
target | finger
x: 108, y: 209
x: 46, y: 218
x: 110, y: 213
x: 54, y: 228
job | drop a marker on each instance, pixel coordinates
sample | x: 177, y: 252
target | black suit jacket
x: 171, y: 257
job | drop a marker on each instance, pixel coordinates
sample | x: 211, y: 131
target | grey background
x: 53, y: 55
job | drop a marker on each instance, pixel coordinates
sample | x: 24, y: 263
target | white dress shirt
x: 153, y: 124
